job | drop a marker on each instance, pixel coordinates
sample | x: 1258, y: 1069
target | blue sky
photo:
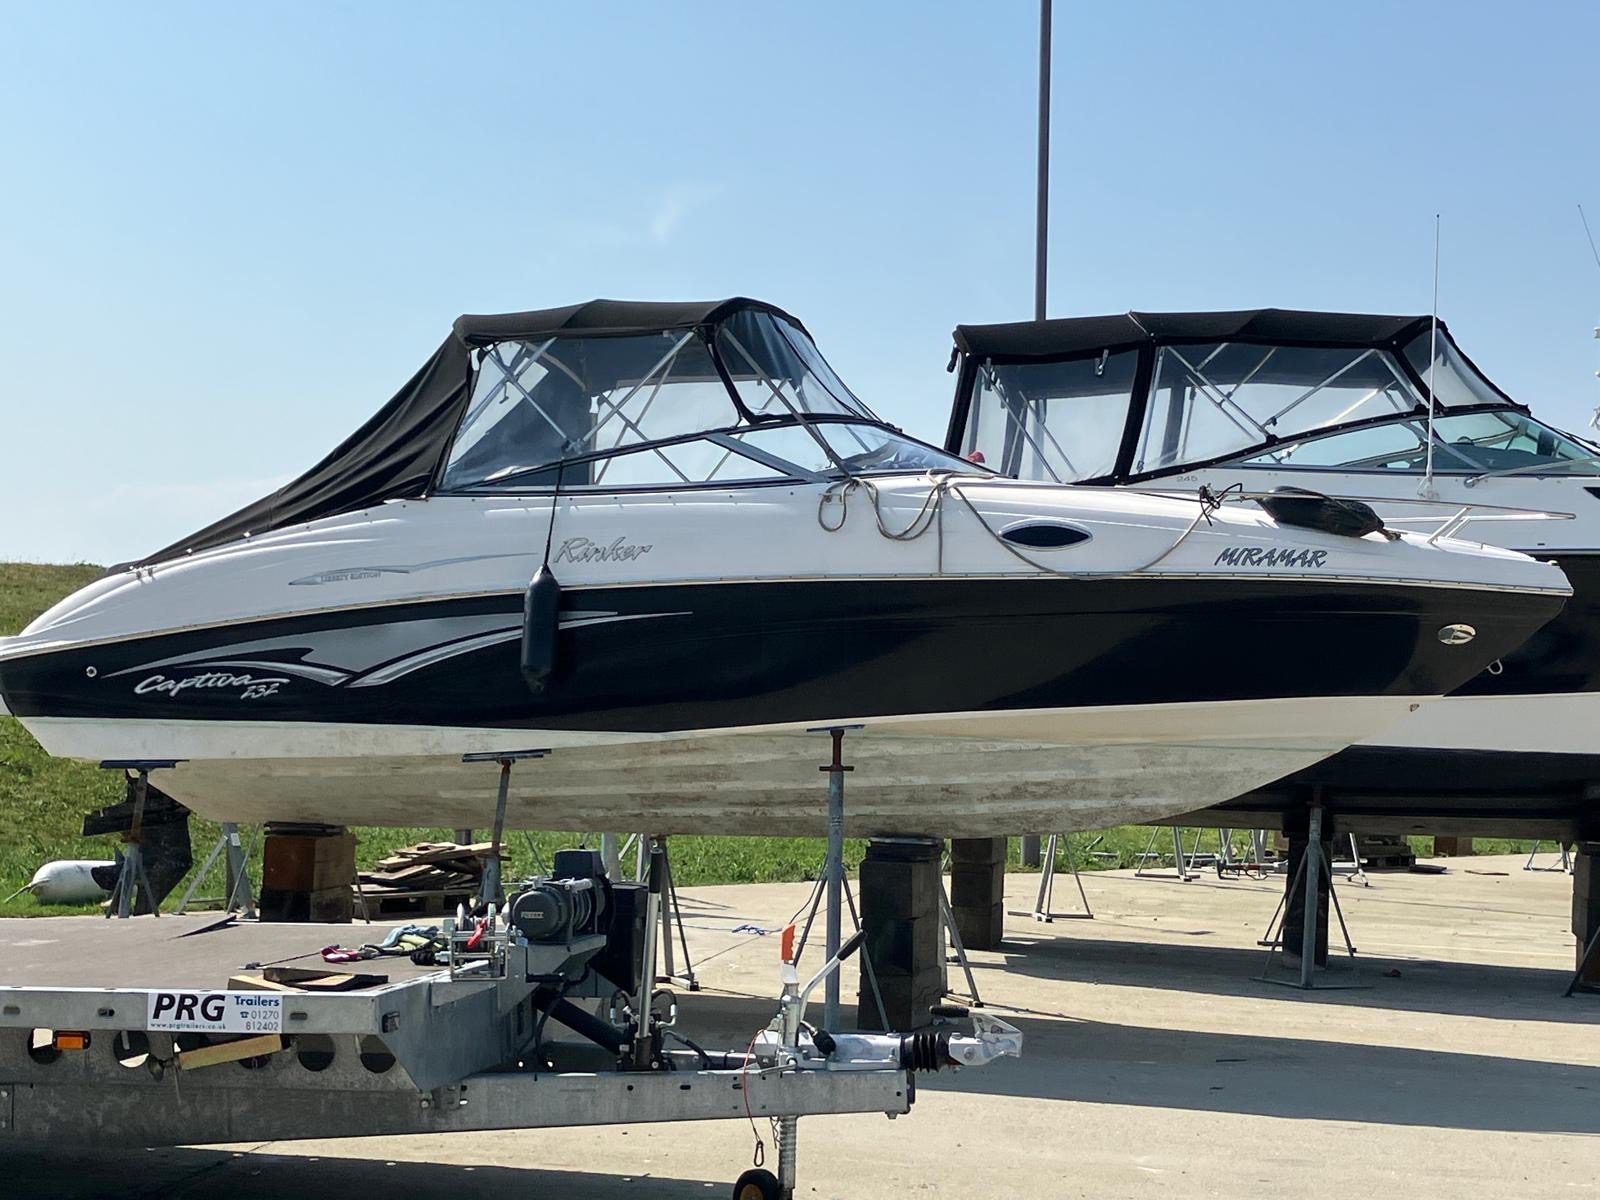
x: 228, y: 234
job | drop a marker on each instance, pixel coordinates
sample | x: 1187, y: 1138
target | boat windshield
x: 1208, y: 401
x: 1067, y: 420
x: 1061, y: 421
x: 748, y: 400
x: 1464, y: 444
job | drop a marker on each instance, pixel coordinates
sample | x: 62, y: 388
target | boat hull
x: 1032, y: 703
x: 951, y: 774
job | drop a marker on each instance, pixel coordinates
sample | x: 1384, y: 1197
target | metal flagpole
x: 1042, y: 216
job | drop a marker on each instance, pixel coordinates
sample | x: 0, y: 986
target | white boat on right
x: 1271, y: 400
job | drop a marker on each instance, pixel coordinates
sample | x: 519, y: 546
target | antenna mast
x: 1594, y: 421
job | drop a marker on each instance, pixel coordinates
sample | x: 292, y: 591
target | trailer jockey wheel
x: 757, y: 1184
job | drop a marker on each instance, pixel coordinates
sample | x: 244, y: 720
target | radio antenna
x: 1433, y: 365
x: 1594, y: 421
x: 1587, y: 233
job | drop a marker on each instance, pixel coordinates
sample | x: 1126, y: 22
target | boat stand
x: 671, y: 914
x: 130, y: 871
x: 958, y: 952
x: 833, y: 870
x: 1565, y: 864
x: 240, y: 896
x: 832, y: 885
x: 640, y: 847
x: 1047, y: 884
x: 1313, y: 863
x: 1589, y: 952
x: 1185, y: 875
x: 489, y: 891
x: 1253, y: 866
x: 1357, y: 873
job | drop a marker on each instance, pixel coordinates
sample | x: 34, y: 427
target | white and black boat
x: 744, y: 554
x: 1270, y: 401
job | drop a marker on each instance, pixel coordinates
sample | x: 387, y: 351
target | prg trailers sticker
x: 215, y: 1012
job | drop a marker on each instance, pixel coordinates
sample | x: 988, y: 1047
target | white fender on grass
x: 67, y: 881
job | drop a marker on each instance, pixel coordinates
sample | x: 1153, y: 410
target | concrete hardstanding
x: 1155, y: 1065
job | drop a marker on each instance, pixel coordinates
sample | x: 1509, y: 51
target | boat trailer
x: 541, y: 1013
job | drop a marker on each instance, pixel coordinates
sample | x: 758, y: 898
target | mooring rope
x: 948, y: 483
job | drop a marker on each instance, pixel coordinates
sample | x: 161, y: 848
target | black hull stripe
x: 771, y: 653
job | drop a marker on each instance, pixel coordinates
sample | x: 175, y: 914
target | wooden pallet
x: 428, y: 878
x: 381, y: 903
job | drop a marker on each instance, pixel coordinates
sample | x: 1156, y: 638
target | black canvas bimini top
x: 397, y: 452
x: 606, y: 318
x: 1018, y: 341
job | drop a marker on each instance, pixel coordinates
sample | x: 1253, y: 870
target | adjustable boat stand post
x: 811, y: 907
x: 1184, y: 874
x: 1312, y: 864
x: 1047, y: 885
x: 960, y: 956
x: 132, y: 875
x: 1224, y: 849
x: 672, y: 913
x: 489, y: 889
x: 1577, y: 984
x: 1566, y: 859
x: 833, y: 869
x: 1313, y: 901
x: 240, y: 895
x: 1357, y: 873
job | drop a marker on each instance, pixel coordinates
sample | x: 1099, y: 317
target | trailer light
x: 71, y: 1040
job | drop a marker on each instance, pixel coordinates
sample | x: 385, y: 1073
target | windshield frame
x: 842, y: 407
x: 1446, y: 454
x: 508, y: 485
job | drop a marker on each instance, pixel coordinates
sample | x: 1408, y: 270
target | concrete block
x: 906, y: 1001
x: 977, y: 883
x: 903, y: 947
x: 899, y: 889
x: 977, y: 851
x: 981, y: 928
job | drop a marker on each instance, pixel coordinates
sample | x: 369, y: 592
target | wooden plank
x: 227, y: 1052
x: 245, y: 982
x: 299, y: 978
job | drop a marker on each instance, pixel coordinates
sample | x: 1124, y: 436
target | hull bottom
x: 953, y: 775
x: 1563, y: 723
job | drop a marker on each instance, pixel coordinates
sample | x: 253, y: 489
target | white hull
x: 1567, y: 723
x: 962, y: 774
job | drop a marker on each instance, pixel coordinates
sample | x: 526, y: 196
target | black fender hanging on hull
x: 541, y: 626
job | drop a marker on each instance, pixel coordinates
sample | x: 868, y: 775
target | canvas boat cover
x: 397, y: 453
x: 1021, y: 341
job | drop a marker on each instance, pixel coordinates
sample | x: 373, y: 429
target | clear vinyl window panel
x: 1207, y: 401
x: 1061, y: 421
x: 1511, y: 441
x: 534, y: 404
x: 778, y: 372
x: 1469, y: 443
x: 641, y: 402
x: 1455, y: 381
